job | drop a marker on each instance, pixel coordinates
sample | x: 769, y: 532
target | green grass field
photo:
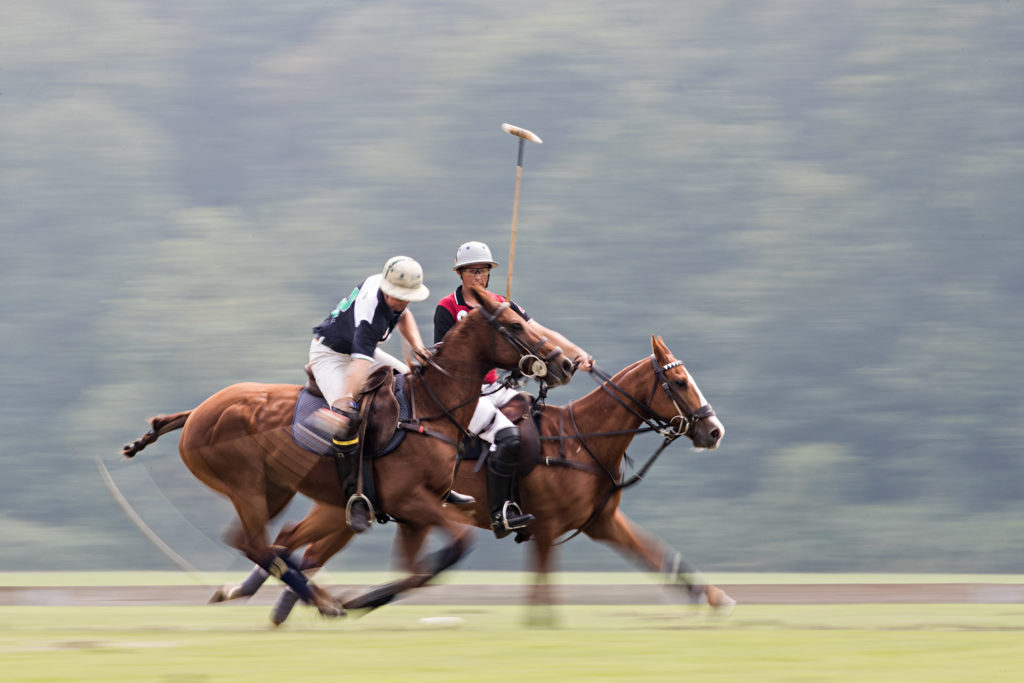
x: 234, y: 642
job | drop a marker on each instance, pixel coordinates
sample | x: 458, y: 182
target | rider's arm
x: 584, y: 359
x: 411, y: 332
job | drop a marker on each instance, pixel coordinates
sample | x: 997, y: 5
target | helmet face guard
x: 487, y: 282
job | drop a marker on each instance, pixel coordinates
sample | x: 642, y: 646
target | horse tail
x: 159, y: 425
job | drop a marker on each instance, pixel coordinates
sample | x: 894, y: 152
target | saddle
x: 380, y: 412
x: 380, y: 415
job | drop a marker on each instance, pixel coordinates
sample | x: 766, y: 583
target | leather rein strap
x: 682, y: 424
x: 526, y: 353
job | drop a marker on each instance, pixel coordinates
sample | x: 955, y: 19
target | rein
x: 682, y: 424
x: 530, y: 364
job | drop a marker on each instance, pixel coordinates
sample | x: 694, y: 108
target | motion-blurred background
x: 817, y: 205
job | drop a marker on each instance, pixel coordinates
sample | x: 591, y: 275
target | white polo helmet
x: 473, y: 253
x: 403, y: 279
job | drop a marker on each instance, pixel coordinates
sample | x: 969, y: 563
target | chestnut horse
x: 575, y: 487
x: 238, y: 442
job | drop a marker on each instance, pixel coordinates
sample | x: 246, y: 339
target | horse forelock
x: 709, y: 429
x: 691, y: 394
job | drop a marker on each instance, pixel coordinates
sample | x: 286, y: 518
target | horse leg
x: 250, y: 538
x: 319, y: 522
x: 423, y: 571
x: 652, y: 552
x: 425, y: 507
x: 408, y: 542
x: 252, y: 583
x: 316, y: 555
x: 541, y: 611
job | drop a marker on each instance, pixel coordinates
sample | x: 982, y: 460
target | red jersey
x: 454, y: 308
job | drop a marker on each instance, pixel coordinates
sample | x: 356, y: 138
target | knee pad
x: 507, y: 443
x: 508, y: 437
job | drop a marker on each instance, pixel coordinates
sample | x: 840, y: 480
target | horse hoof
x: 276, y: 620
x: 331, y: 609
x: 723, y: 606
x: 220, y: 596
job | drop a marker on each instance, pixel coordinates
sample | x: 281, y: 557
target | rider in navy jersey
x: 344, y: 347
x: 359, y: 322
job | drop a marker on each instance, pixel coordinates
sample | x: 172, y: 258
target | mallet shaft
x: 523, y: 136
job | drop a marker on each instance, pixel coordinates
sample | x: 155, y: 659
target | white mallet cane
x: 523, y: 136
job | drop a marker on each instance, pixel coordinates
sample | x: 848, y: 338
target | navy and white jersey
x: 359, y: 322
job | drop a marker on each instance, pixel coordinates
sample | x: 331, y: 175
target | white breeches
x: 488, y: 420
x: 330, y: 368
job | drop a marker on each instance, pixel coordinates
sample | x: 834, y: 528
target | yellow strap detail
x: 345, y: 443
x: 278, y: 568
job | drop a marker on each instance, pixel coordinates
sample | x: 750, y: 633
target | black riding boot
x: 346, y: 450
x: 506, y: 515
x: 456, y: 498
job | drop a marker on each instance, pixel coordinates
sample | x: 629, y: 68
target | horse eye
x: 516, y: 327
x: 681, y: 383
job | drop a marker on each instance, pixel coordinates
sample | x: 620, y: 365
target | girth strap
x: 417, y: 428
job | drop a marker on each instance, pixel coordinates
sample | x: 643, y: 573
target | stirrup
x: 510, y: 518
x: 352, y: 501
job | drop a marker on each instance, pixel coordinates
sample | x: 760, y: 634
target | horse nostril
x: 715, y: 435
x: 567, y: 367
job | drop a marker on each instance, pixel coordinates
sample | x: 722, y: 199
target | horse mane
x: 461, y: 328
x: 454, y: 336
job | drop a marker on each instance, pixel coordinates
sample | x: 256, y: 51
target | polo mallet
x: 523, y: 136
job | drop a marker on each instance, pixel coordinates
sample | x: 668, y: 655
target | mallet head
x: 521, y: 132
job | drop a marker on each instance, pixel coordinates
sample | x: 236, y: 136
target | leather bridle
x: 683, y: 423
x: 530, y: 365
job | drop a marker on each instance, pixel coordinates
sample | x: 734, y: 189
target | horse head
x: 516, y: 343
x: 677, y: 399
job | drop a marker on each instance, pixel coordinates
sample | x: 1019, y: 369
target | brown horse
x: 239, y: 443
x: 575, y: 487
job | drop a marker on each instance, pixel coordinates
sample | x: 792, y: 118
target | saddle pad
x: 316, y: 440
x: 305, y: 434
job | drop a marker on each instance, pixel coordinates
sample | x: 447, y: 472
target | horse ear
x: 658, y: 346
x: 483, y: 298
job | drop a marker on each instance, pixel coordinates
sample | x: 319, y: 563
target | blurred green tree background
x: 817, y: 205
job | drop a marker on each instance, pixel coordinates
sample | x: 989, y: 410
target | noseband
x: 530, y: 363
x: 684, y: 422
